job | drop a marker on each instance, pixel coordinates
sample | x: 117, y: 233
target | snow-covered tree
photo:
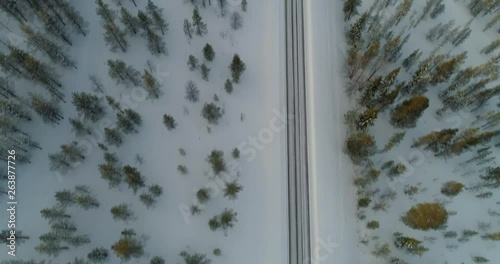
x: 87, y: 201
x: 79, y: 128
x: 73, y: 16
x: 96, y: 83
x: 72, y: 152
x: 128, y: 246
x: 123, y: 73
x: 54, y: 214
x: 188, y: 29
x: 156, y: 45
x: 232, y: 189
x: 107, y: 15
x: 115, y: 37
x: 157, y: 260
x: 192, y: 62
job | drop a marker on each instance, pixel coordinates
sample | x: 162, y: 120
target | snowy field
x: 259, y: 236
x: 392, y: 197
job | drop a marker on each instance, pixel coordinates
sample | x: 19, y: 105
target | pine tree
x: 437, y: 141
x: 12, y: 9
x: 222, y: 6
x: 468, y: 139
x: 232, y: 189
x: 115, y: 37
x: 5, y: 234
x: 169, y: 122
x: 188, y: 29
x: 147, y: 199
x: 205, y: 71
x: 144, y: 20
x: 354, y: 34
x: 236, y: 21
x: 237, y: 68
x: 156, y: 45
x: 216, y: 160
x: 367, y: 118
x: 130, y: 21
x: 445, y: 69
x: 96, y: 83
x: 89, y: 106
x: 492, y: 22
x: 87, y: 201
x: 228, y: 86
x: 115, y: 105
x: 157, y: 260
x: 407, y: 113
x: 121, y: 212
x: 14, y: 110
x: 98, y: 255
x: 192, y: 92
x: 360, y: 146
x: 192, y: 62
x: 427, y: 9
x: 128, y: 246
x: 64, y: 226
x: 157, y: 17
x: 212, y: 113
x: 113, y: 136
x: 53, y: 27
x: 194, y: 258
x: 65, y: 198
x: 244, y: 5
x: 79, y: 128
x: 208, y: 52
x: 409, y: 61
x: 73, y: 16
x: 59, y: 163
x: 133, y: 178
x: 402, y: 10
x: 151, y: 85
x: 438, y: 9
x: 72, y: 152
x: 46, y: 45
x: 227, y: 219
x: 54, y: 214
x: 106, y: 14
x: 123, y: 73
x: 50, y: 249
x: 198, y: 24
x: 491, y: 47
x: 351, y: 8
x: 155, y: 190
x: 203, y: 195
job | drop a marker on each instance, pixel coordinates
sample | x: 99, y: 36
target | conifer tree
x: 113, y: 136
x: 169, y: 122
x: 144, y: 20
x: 157, y: 17
x: 121, y: 212
x: 47, y: 110
x: 194, y: 258
x: 468, y: 139
x: 130, y: 21
x: 437, y: 141
x: 14, y: 110
x: 89, y: 106
x: 96, y: 83
x: 491, y: 47
x: 157, y: 260
x: 123, y: 73
x: 236, y: 21
x: 192, y: 62
x: 351, y: 8
x: 53, y: 27
x: 205, y: 71
x: 367, y: 118
x: 72, y: 152
x: 244, y: 5
x: 228, y: 86
x: 133, y: 178
x: 73, y: 16
x: 212, y: 113
x: 87, y: 201
x: 492, y: 22
x: 98, y: 255
x: 156, y: 45
x: 79, y: 128
x: 200, y: 28
x: 115, y: 105
x: 208, y: 52
x: 128, y: 246
x: 237, y: 68
x: 115, y: 37
x: 192, y: 92
x: 216, y: 160
x: 54, y: 214
x: 407, y: 113
x: 65, y: 197
x: 151, y: 85
x: 106, y: 14
x: 232, y: 189
x: 188, y: 30
x: 354, y: 34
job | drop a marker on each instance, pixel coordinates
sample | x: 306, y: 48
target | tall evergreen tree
x: 208, y: 52
x: 351, y: 8
x: 133, y: 178
x: 89, y: 106
x: 198, y: 24
x: 130, y: 21
x: 113, y: 136
x: 115, y: 37
x: 151, y: 85
x: 157, y: 17
x: 192, y: 92
x: 237, y: 68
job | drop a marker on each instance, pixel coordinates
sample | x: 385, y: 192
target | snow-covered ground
x: 259, y: 236
x: 333, y: 195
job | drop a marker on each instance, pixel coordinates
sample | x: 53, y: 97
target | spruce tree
x: 157, y: 260
x: 58, y: 162
x: 98, y: 255
x: 157, y: 17
x: 87, y: 201
x: 200, y: 28
x: 121, y: 212
x: 407, y: 113
x: 212, y: 113
x: 72, y: 152
x: 128, y: 246
x: 237, y: 68
x: 106, y: 14
x: 208, y: 52
x: 130, y: 21
x: 133, y: 178
x: 73, y: 16
x: 65, y: 198
x: 79, y: 128
x: 232, y: 189
x: 115, y: 37
x: 228, y: 86
x: 192, y: 62
x: 188, y: 29
x: 89, y: 106
x: 236, y: 21
x: 113, y: 136
x: 151, y: 85
x: 156, y: 45
x: 169, y: 122
x: 205, y: 71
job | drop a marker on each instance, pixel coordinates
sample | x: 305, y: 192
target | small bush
x: 364, y: 202
x: 452, y: 188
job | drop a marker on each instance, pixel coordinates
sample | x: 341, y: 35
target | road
x: 298, y: 180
